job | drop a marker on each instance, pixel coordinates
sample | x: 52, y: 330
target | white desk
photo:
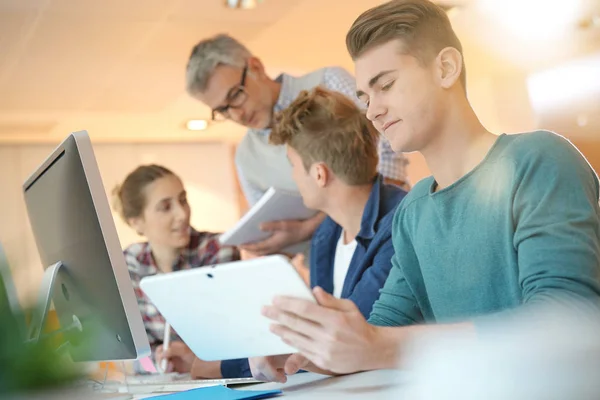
x: 383, y: 384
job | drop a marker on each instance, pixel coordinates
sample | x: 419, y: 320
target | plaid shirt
x: 391, y: 165
x: 204, y: 249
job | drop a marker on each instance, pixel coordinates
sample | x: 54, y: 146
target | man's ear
x: 321, y: 174
x: 449, y: 65
x: 256, y: 67
x: 137, y: 224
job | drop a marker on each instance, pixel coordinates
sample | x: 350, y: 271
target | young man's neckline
x: 342, y: 240
x: 363, y: 214
x: 434, y: 184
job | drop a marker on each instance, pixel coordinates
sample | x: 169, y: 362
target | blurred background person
x: 153, y: 201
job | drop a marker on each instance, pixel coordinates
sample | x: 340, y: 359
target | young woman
x: 152, y: 200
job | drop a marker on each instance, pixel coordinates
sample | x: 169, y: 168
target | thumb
x: 170, y: 368
x: 295, y: 363
x: 327, y: 300
x: 167, y: 354
x: 172, y: 351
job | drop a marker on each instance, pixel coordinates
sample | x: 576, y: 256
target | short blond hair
x: 422, y: 27
x: 326, y: 126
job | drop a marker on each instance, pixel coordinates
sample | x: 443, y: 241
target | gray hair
x: 207, y: 55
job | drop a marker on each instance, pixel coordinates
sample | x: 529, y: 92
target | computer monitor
x: 86, y: 275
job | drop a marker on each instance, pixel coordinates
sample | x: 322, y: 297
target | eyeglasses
x: 235, y: 99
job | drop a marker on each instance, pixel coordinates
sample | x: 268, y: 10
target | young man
x: 225, y: 76
x: 504, y: 224
x: 332, y: 149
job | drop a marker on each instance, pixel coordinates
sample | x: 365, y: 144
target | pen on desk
x: 167, y: 339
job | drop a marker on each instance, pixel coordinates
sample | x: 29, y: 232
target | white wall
x: 206, y: 169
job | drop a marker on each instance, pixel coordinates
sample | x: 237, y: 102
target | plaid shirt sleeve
x: 153, y: 321
x: 391, y: 165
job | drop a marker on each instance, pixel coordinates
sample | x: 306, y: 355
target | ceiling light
x: 197, y: 124
x: 242, y: 4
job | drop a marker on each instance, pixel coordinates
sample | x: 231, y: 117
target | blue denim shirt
x: 370, y: 264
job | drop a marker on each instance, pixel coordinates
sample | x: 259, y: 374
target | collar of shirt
x: 374, y: 208
x: 371, y: 212
x: 286, y: 97
x: 147, y: 264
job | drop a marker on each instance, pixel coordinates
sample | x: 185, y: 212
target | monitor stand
x: 56, y: 284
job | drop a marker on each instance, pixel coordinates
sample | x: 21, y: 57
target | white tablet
x: 217, y: 310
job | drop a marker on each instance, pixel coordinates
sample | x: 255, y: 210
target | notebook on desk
x: 158, y: 386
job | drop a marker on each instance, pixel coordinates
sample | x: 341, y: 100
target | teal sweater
x: 522, y: 227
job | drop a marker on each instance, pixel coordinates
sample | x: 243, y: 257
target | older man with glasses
x: 223, y: 74
x: 234, y: 100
